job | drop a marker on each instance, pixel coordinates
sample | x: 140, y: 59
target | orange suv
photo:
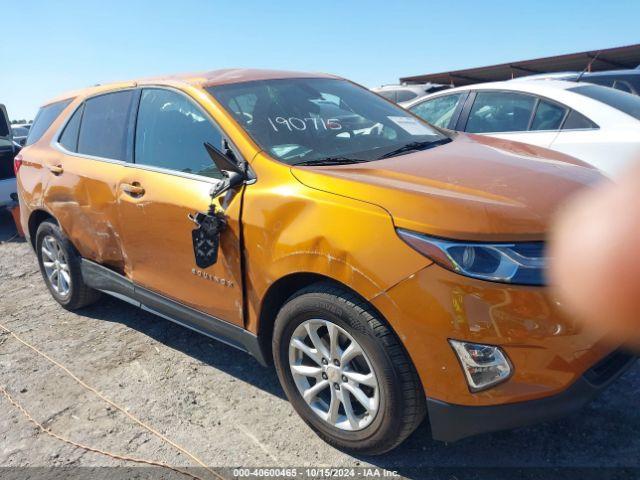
x: 389, y: 269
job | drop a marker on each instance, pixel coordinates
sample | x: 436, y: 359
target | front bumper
x: 557, y: 365
x: 451, y: 422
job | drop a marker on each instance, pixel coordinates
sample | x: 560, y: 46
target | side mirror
x: 232, y: 173
x: 222, y: 161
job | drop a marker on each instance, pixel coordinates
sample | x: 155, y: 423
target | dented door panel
x: 83, y: 198
x: 158, y: 239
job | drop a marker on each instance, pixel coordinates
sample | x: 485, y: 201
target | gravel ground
x: 219, y: 403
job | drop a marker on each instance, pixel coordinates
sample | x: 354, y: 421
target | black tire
x: 79, y: 295
x: 402, y: 401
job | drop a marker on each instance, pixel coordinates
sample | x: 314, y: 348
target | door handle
x: 135, y: 190
x: 55, y: 169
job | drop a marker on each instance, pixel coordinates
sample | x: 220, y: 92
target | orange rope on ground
x: 110, y: 402
x: 86, y: 447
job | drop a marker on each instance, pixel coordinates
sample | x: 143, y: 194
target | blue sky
x: 54, y: 46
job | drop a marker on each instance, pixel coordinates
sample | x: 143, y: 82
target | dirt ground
x: 219, y: 403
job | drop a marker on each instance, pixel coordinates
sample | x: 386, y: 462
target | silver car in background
x: 405, y: 93
x: 20, y: 133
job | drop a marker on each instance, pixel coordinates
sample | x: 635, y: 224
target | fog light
x: 483, y: 365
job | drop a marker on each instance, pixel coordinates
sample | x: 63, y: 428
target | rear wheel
x: 345, y: 372
x: 60, y: 268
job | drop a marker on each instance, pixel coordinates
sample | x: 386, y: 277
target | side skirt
x: 116, y: 285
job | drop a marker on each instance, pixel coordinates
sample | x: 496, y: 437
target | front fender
x: 291, y: 228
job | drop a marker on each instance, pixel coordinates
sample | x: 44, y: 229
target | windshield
x: 307, y: 120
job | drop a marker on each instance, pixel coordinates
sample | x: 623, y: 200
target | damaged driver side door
x: 168, y: 184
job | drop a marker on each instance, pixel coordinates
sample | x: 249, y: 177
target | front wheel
x: 345, y: 372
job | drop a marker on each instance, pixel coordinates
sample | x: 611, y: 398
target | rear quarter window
x: 69, y: 137
x: 45, y: 117
x: 577, y: 121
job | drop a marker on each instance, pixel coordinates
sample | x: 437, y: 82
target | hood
x: 473, y: 188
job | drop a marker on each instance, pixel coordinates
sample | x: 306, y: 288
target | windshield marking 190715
x: 306, y: 121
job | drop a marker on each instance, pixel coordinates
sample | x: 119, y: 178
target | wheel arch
x: 35, y: 219
x: 281, y: 291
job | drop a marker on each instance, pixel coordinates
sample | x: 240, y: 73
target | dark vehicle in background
x: 625, y: 80
x: 20, y: 133
x: 8, y: 150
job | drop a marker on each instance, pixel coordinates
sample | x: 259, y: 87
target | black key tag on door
x: 206, y: 237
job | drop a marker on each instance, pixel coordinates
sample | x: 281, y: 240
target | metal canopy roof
x: 605, y: 59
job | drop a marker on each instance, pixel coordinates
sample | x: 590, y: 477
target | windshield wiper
x: 414, y: 147
x: 330, y: 161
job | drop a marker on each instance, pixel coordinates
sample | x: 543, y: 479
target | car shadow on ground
x: 200, y: 347
x: 603, y: 434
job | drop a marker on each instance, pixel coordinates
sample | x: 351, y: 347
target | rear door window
x: 494, y: 112
x: 549, y: 116
x: 439, y: 111
x: 44, y: 118
x: 106, y: 130
x: 171, y: 133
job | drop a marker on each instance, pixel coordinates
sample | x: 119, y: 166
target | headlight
x: 483, y: 365
x: 521, y: 263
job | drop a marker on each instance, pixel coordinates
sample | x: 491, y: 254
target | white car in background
x: 598, y: 125
x: 404, y: 93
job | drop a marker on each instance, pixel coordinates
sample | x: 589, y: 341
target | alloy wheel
x: 334, y: 375
x: 56, y: 265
